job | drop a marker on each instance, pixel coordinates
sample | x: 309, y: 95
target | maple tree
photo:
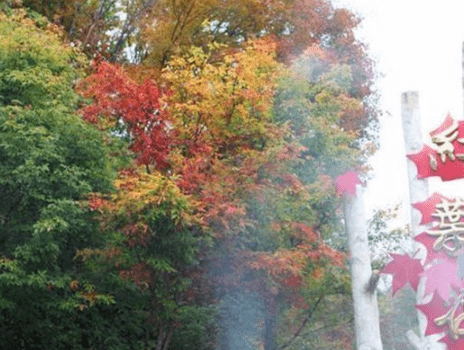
x: 131, y: 109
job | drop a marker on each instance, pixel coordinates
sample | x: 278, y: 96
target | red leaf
x: 347, y: 183
x: 404, y: 270
x: 428, y: 207
x: 292, y: 281
x: 421, y: 160
x: 442, y: 278
x: 434, y: 309
x: 452, y: 344
x: 428, y: 241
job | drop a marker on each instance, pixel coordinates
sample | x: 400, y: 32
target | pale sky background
x: 418, y: 47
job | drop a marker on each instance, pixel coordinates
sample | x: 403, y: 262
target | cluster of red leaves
x: 303, y: 232
x: 194, y: 173
x: 213, y: 185
x: 286, y: 266
x: 138, y: 107
x: 96, y: 203
x: 199, y: 290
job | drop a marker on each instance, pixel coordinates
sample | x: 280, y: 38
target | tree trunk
x: 269, y: 324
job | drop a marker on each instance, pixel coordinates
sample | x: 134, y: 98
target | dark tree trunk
x: 269, y: 323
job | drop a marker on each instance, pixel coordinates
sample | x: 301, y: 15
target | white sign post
x: 418, y: 192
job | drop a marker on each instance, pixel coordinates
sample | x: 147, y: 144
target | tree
x: 153, y: 239
x: 132, y: 110
x: 50, y: 158
x: 98, y: 27
x: 158, y: 29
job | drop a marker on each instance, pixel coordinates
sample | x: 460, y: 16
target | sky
x: 417, y: 45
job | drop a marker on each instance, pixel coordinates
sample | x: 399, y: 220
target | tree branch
x: 303, y: 324
x: 129, y: 28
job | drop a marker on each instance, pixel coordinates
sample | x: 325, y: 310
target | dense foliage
x: 184, y: 200
x: 49, y: 159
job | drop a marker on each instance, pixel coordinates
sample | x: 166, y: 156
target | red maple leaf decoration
x: 428, y: 207
x: 452, y: 344
x: 442, y: 278
x: 347, y: 183
x: 428, y: 241
x: 448, y: 170
x: 404, y: 270
x: 432, y: 310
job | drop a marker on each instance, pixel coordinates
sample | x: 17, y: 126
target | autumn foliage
x: 211, y: 132
x: 224, y: 136
x: 118, y: 100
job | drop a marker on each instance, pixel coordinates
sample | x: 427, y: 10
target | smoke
x: 242, y: 321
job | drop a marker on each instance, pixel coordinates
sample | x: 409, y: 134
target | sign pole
x: 418, y: 192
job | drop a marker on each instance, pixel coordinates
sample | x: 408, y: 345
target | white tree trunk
x: 418, y: 192
x: 418, y: 189
x: 366, y: 311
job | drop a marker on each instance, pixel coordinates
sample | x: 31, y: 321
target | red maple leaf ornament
x: 452, y: 344
x: 447, y: 160
x: 433, y: 310
x: 347, y: 183
x: 404, y: 270
x: 442, y: 278
x: 429, y: 241
x: 428, y: 207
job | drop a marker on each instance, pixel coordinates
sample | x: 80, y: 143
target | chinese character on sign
x: 444, y: 141
x: 450, y: 229
x: 446, y: 159
x: 453, y: 318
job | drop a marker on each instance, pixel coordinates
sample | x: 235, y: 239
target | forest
x: 167, y: 173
